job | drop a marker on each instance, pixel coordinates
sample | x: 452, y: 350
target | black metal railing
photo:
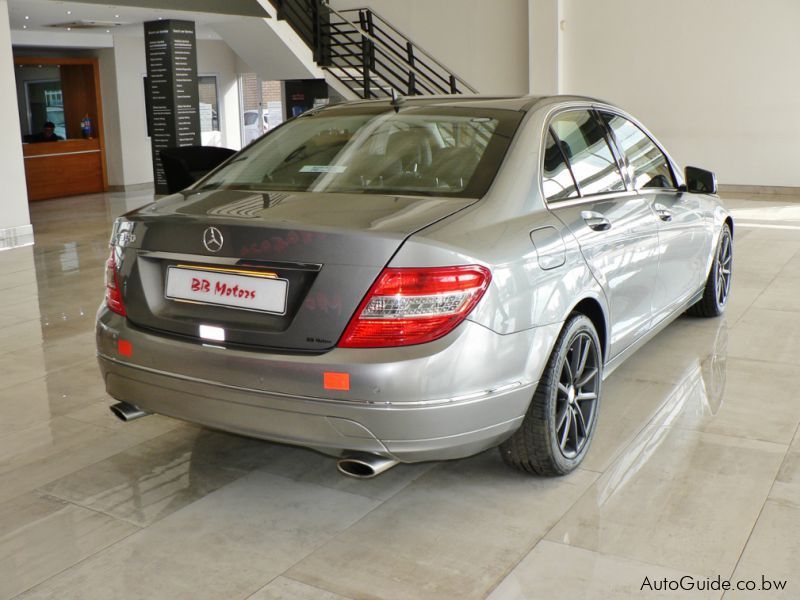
x: 366, y: 53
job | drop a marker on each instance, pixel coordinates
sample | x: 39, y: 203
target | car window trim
x: 619, y: 156
x: 581, y: 195
x: 552, y: 133
x: 589, y: 199
x: 670, y: 163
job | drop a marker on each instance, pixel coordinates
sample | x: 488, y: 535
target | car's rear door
x: 615, y: 228
x: 684, y: 234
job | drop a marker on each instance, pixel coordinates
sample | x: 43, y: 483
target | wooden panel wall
x: 75, y: 166
x: 59, y: 169
x: 77, y: 85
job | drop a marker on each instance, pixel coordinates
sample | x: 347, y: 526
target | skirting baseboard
x: 16, y: 237
x: 766, y: 190
x: 137, y: 187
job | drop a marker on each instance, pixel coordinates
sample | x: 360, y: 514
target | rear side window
x: 557, y: 181
x: 582, y: 138
x: 648, y: 165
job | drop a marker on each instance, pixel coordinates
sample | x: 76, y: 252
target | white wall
x: 486, y: 43
x: 215, y: 57
x: 14, y: 216
x: 716, y: 81
x: 128, y: 149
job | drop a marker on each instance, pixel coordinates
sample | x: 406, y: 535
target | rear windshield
x: 416, y: 151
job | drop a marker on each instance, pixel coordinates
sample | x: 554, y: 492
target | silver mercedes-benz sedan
x: 411, y: 280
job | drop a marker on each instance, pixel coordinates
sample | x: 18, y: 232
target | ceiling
x: 41, y: 15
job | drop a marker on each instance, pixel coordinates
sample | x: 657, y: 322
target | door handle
x: 662, y: 212
x: 595, y: 220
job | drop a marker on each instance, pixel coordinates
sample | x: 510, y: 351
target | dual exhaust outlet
x: 359, y: 465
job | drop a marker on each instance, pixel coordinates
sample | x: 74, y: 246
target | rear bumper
x: 448, y: 399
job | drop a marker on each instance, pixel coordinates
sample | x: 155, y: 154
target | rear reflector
x: 125, y: 348
x: 336, y: 381
x: 414, y: 306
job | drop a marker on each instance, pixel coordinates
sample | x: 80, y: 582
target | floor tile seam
x: 785, y: 458
x: 635, y: 435
x: 311, y: 483
x: 240, y: 472
x: 99, y: 460
x: 733, y: 436
x: 44, y: 376
x: 621, y: 557
x: 316, y: 587
x: 265, y: 469
x: 749, y: 537
x: 71, y: 502
x: 779, y: 363
x: 323, y: 543
x: 380, y: 503
x: 46, y: 373
x: 544, y: 535
x: 760, y: 512
x: 77, y: 564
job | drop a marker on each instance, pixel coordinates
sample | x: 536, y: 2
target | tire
x: 549, y: 441
x: 718, y: 284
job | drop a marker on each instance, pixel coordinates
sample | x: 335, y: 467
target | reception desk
x: 66, y: 168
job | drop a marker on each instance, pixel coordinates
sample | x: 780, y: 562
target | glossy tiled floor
x: 695, y: 469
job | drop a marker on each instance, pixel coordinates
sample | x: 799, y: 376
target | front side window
x: 648, y: 165
x: 582, y: 138
x: 417, y: 150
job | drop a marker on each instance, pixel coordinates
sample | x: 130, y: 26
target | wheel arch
x: 591, y: 308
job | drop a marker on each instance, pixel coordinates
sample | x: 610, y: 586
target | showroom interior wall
x: 122, y: 70
x: 720, y: 92
x: 15, y: 222
x: 486, y: 43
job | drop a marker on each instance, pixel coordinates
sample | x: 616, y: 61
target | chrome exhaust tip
x: 125, y: 411
x: 362, y: 465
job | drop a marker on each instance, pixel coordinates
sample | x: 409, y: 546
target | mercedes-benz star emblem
x: 212, y: 239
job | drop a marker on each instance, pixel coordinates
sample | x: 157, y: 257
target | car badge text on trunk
x: 212, y: 239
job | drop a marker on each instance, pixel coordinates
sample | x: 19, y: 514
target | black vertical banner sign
x: 171, y: 48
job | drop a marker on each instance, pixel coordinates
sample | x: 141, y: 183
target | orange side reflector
x: 125, y: 348
x: 336, y: 381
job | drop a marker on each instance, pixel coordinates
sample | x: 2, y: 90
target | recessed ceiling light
x: 108, y: 31
x: 24, y: 26
x: 69, y: 12
x: 27, y: 17
x: 116, y: 16
x: 69, y: 28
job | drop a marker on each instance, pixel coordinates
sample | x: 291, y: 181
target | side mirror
x: 700, y: 181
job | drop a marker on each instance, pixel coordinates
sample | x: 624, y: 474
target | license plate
x: 222, y: 287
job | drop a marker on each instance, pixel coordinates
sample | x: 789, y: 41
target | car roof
x: 518, y: 103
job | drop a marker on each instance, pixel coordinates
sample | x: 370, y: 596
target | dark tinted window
x: 582, y: 138
x: 557, y: 182
x: 373, y: 149
x: 648, y: 165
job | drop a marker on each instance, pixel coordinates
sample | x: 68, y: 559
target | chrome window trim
x: 582, y: 198
x: 590, y: 199
x: 677, y: 173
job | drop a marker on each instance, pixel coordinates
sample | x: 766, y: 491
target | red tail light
x: 113, y: 291
x: 414, y: 306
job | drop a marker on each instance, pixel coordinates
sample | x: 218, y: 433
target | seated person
x: 48, y: 134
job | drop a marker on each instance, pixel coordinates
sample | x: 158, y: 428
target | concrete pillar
x: 544, y: 41
x: 15, y: 220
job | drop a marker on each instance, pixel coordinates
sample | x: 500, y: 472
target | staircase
x: 365, y: 53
